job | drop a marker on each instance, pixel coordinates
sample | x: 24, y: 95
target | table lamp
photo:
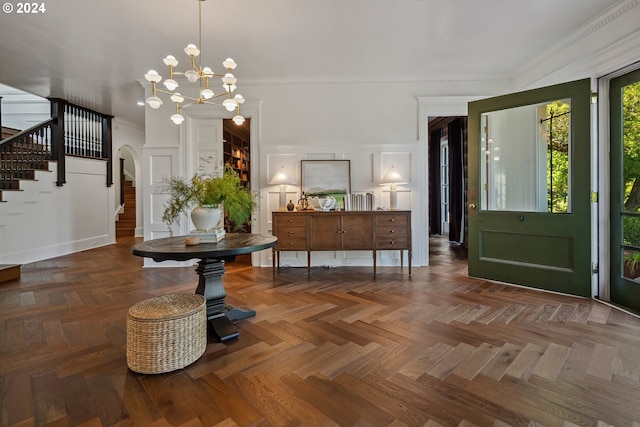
x: 393, y: 178
x: 282, y: 179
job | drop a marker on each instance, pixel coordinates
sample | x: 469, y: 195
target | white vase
x: 206, y: 218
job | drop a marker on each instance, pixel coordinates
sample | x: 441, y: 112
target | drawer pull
x: 392, y: 220
x: 392, y: 231
x: 290, y: 233
x: 290, y: 243
x: 393, y: 242
x: 290, y: 221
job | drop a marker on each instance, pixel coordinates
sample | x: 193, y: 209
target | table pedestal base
x: 219, y: 315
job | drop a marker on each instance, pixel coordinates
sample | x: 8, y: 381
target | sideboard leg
x: 374, y: 262
x: 308, y: 263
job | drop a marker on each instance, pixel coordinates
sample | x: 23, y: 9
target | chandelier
x: 196, y: 74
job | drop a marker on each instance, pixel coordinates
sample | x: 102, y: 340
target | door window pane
x: 525, y: 162
x: 631, y: 147
x: 630, y: 181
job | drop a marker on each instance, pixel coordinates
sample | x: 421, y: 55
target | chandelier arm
x: 208, y: 102
x: 194, y: 102
x: 166, y: 92
x: 221, y: 94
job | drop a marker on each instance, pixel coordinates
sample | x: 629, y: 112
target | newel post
x: 57, y: 136
x: 107, y: 147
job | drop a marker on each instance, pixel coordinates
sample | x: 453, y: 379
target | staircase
x: 126, y: 223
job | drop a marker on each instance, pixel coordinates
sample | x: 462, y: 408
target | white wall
x: 45, y: 221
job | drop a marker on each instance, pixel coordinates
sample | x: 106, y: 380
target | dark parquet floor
x: 341, y: 348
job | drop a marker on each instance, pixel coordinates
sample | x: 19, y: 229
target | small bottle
x: 290, y: 206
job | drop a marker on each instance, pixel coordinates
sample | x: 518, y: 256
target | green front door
x: 625, y: 190
x: 529, y: 188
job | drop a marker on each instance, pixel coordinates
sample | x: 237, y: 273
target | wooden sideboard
x: 342, y: 231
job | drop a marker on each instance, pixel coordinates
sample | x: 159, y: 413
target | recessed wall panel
x: 535, y: 250
x: 159, y: 167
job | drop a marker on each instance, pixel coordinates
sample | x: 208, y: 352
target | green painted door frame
x: 539, y: 249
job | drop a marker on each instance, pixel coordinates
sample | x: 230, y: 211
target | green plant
x: 632, y: 260
x: 204, y: 190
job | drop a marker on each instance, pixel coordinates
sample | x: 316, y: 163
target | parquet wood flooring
x: 339, y: 348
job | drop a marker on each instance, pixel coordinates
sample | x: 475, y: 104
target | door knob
x: 472, y: 205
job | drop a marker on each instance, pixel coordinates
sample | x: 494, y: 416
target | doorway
x: 128, y: 211
x: 236, y: 147
x: 448, y: 171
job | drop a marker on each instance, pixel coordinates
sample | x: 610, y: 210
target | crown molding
x: 568, y: 52
x: 388, y: 81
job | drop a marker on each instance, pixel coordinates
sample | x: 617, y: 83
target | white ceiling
x: 93, y: 53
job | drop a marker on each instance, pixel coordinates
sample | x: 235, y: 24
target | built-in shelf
x: 237, y: 150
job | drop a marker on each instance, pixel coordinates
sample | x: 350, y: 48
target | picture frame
x: 322, y: 178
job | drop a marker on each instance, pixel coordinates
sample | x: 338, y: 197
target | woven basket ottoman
x: 166, y: 333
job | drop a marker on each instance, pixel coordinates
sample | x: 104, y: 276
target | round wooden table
x: 210, y: 269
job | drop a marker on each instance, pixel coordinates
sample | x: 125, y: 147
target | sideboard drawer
x: 389, y: 218
x: 391, y: 231
x: 292, y: 232
x: 392, y: 243
x: 291, y: 244
x: 292, y: 220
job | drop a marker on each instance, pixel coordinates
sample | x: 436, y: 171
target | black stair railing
x: 24, y: 152
x: 71, y: 131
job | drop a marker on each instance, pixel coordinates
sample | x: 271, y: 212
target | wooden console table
x: 341, y: 231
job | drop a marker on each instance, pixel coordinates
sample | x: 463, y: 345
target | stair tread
x: 9, y: 272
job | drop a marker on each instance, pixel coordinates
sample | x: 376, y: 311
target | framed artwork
x: 322, y: 178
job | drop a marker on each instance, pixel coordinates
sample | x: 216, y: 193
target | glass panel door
x: 529, y: 188
x: 625, y: 190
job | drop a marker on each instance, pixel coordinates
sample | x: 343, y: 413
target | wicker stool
x: 166, y: 333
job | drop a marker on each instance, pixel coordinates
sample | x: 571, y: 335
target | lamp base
x: 393, y: 197
x: 283, y: 200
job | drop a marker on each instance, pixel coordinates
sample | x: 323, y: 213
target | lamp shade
x: 393, y: 176
x: 282, y: 178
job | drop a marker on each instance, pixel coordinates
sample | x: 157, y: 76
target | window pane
x: 526, y: 158
x: 631, y: 230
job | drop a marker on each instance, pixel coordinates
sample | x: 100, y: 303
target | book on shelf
x: 359, y: 202
x: 208, y: 236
